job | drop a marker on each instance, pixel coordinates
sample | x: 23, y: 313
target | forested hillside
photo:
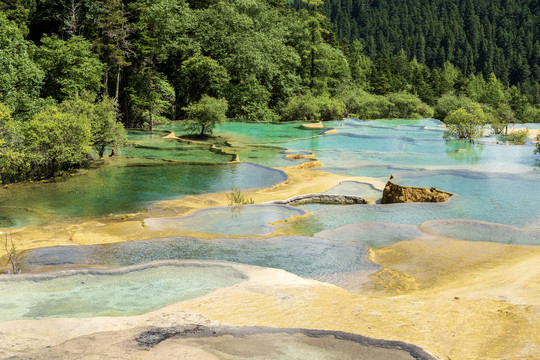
x: 477, y: 36
x: 74, y: 73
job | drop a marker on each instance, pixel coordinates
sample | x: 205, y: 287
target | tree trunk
x: 117, y: 85
x: 203, y: 127
x: 106, y: 82
x: 151, y: 119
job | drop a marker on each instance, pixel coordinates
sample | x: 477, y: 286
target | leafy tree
x: 152, y: 96
x: 19, y: 11
x: 360, y: 65
x: 532, y: 114
x: 301, y: 107
x: 70, y: 67
x: 12, y: 157
x: 56, y: 141
x: 330, y: 108
x: 205, y: 114
x: 502, y: 116
x: 20, y: 78
x: 112, y: 42
x: 466, y: 123
x: 408, y: 106
x: 104, y: 128
x: 201, y: 75
x: 448, y: 103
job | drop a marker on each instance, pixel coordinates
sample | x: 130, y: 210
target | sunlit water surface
x: 110, y: 293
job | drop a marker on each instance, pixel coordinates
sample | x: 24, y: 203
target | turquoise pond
x: 123, y: 189
x: 109, y: 293
x: 240, y: 220
x: 300, y: 255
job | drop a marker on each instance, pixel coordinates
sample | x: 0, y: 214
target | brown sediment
x: 300, y: 156
x: 169, y: 136
x: 317, y: 125
x: 308, y: 165
x: 331, y: 131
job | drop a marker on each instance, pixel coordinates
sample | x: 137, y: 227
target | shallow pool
x: 125, y: 189
x: 117, y: 292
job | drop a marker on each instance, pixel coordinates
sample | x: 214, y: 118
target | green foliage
x: 309, y: 107
x: 301, y: 107
x: 201, y: 75
x: 466, y: 123
x: 237, y: 198
x: 368, y: 106
x: 448, y: 103
x: 152, y: 96
x: 531, y: 114
x: 70, y: 67
x: 205, y: 114
x: 407, y: 106
x: 264, y: 60
x: 56, y: 140
x: 104, y: 127
x: 330, y: 108
x: 19, y: 12
x: 476, y: 36
x: 502, y: 115
x: 20, y: 78
x: 13, y: 161
x: 517, y: 137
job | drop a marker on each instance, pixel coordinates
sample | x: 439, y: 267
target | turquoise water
x: 242, y: 133
x: 300, y: 255
x: 131, y: 188
x: 373, y: 234
x: 187, y: 154
x: 355, y: 188
x: 481, y: 231
x: 243, y: 220
x: 510, y: 199
x: 110, y: 293
x: 155, y: 138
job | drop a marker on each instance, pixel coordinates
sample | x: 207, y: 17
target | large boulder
x: 394, y: 193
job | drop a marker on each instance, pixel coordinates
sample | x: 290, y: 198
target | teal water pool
x: 501, y: 198
x: 243, y: 220
x: 124, y: 189
x: 118, y: 292
x: 300, y: 255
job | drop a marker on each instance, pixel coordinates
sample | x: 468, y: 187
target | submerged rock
x: 394, y: 193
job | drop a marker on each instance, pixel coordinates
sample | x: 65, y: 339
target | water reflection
x: 464, y: 151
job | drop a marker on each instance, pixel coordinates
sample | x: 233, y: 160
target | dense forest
x: 75, y: 73
x: 477, y: 36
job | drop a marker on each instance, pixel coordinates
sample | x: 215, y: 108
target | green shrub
x: 466, y: 123
x: 407, y: 106
x: 518, y: 137
x: 448, y: 103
